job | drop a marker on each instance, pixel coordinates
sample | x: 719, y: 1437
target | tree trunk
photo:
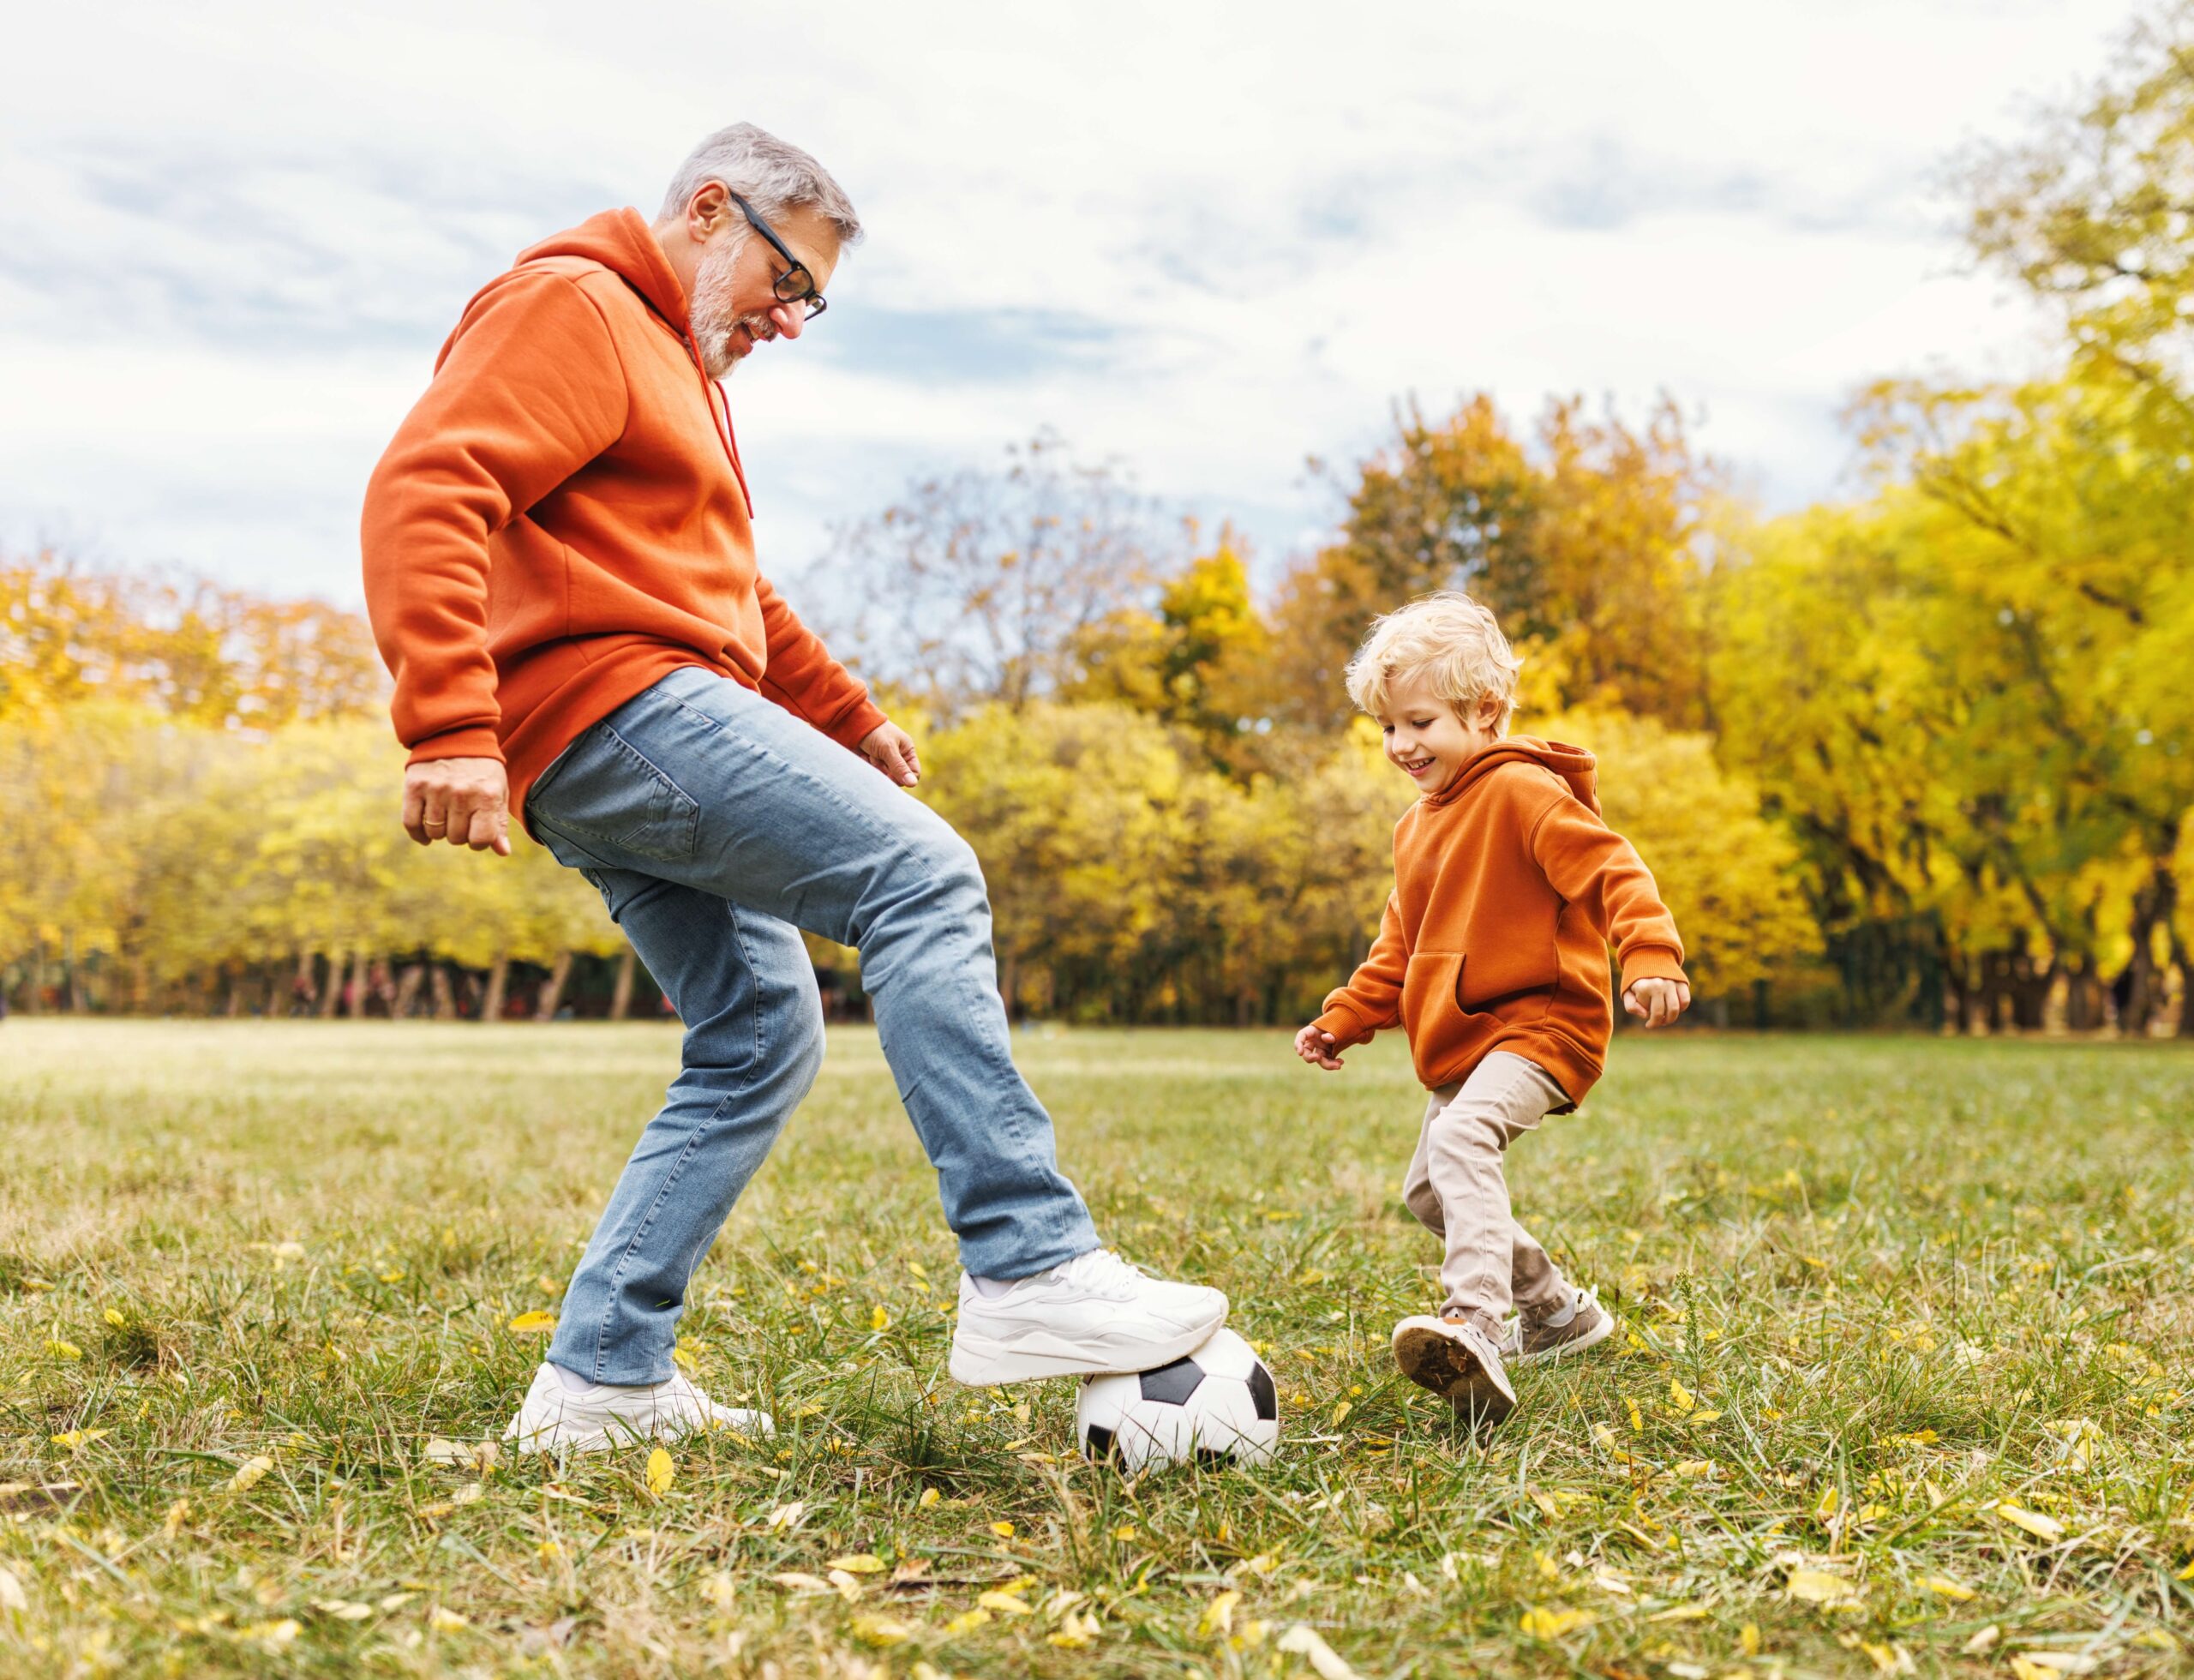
x: 552, y: 995
x: 2082, y: 995
x: 620, y: 996
x: 407, y: 991
x: 499, y: 980
x: 234, y: 1007
x: 2183, y: 960
x: 445, y: 1000
x: 34, y: 1000
x: 354, y: 995
x: 330, y: 998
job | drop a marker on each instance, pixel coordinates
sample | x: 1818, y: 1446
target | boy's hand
x: 1317, y: 1047
x: 1656, y: 1002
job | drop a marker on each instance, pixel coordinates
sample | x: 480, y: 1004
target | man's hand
x: 465, y: 801
x: 1656, y: 1002
x: 1316, y: 1046
x: 891, y: 750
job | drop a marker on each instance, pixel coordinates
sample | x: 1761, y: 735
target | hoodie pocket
x: 1432, y: 985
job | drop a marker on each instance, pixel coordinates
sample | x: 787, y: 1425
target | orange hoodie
x: 1509, y: 890
x: 562, y: 520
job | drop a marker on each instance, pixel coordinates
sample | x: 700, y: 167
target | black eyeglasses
x: 795, y: 285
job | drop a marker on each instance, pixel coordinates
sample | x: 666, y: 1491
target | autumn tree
x: 980, y: 585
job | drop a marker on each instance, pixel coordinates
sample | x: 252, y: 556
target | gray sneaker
x: 1458, y: 1362
x: 1528, y: 1343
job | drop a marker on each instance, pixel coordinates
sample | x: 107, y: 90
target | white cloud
x: 232, y: 235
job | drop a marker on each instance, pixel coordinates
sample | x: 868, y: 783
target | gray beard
x: 710, y: 313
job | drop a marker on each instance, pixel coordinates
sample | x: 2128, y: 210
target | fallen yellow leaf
x: 967, y: 1621
x: 1817, y: 1586
x: 1946, y: 1588
x: 249, y: 1472
x: 930, y: 1496
x: 1543, y: 1623
x: 1679, y: 1397
x: 1005, y: 1603
x: 878, y: 1319
x: 535, y: 1323
x: 2042, y: 1528
x: 1218, y: 1616
x: 880, y: 1629
x: 343, y: 1610
x: 1002, y: 1530
x: 800, y: 1583
x: 859, y: 1563
x: 662, y: 1472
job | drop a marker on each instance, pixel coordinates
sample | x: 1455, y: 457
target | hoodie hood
x: 621, y: 241
x: 1574, y: 765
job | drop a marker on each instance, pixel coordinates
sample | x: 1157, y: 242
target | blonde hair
x: 1448, y: 637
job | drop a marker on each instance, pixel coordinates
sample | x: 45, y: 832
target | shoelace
x: 1102, y: 1272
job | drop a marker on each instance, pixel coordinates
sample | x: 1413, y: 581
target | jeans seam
x: 685, y: 1155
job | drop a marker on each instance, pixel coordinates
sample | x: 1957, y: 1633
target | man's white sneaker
x: 555, y: 1418
x: 1096, y: 1313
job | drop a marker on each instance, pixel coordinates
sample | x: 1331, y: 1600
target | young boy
x: 1492, y: 956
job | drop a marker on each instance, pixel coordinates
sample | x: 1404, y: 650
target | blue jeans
x: 716, y: 823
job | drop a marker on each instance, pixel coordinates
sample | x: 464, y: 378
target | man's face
x: 734, y: 305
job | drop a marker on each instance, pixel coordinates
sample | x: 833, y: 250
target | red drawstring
x: 712, y: 391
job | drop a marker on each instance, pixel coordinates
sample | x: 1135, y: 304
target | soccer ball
x: 1218, y: 1403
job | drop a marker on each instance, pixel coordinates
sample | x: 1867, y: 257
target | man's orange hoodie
x: 1509, y: 890
x: 562, y: 520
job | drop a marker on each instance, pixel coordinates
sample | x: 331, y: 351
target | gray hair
x: 769, y: 174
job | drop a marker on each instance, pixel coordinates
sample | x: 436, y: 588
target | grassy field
x: 1902, y: 1384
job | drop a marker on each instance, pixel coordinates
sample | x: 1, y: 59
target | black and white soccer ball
x: 1216, y: 1405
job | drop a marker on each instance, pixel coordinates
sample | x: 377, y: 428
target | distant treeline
x: 1925, y: 757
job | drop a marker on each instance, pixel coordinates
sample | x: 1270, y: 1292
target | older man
x: 560, y: 570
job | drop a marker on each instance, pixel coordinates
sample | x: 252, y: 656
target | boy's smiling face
x: 1427, y: 738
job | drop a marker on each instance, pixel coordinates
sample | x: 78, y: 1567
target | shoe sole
x: 1591, y: 1338
x: 556, y: 1437
x: 1451, y: 1370
x: 979, y: 1361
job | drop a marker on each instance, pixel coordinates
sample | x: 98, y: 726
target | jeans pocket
x: 607, y: 791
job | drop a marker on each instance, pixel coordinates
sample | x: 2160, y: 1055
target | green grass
x: 1872, y: 1290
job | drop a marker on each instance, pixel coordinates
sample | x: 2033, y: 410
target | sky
x: 1202, y: 242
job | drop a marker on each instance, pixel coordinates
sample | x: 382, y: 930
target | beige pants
x: 1456, y: 1188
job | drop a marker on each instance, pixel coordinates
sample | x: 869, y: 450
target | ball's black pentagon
x: 1171, y: 1384
x: 1097, y: 1442
x: 1262, y: 1393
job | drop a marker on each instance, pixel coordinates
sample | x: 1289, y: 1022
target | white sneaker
x: 1095, y: 1314
x: 553, y: 1418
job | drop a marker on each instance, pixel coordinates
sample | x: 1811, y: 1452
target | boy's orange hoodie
x: 1509, y: 890
x: 562, y: 520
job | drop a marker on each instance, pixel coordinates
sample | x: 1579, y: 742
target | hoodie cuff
x: 477, y: 741
x: 1346, y: 1026
x: 857, y: 725
x: 1653, y: 963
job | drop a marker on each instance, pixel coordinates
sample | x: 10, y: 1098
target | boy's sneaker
x: 1456, y: 1360
x: 1095, y: 1314
x: 1534, y: 1341
x: 555, y: 1417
